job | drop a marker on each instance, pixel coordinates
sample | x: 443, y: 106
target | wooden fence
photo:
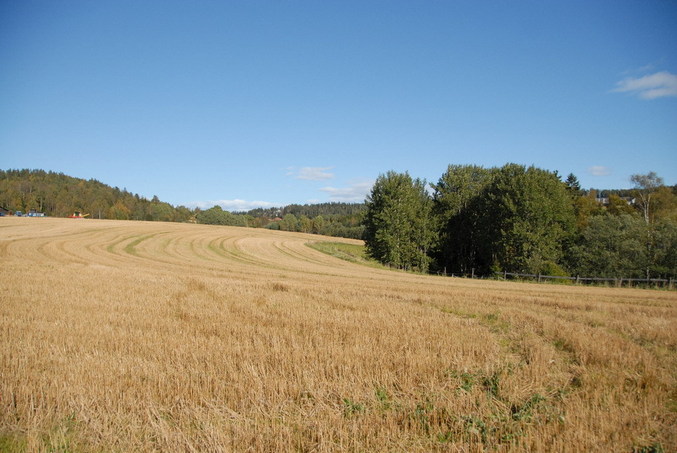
x: 618, y: 282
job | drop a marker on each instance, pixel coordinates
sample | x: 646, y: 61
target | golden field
x: 132, y: 336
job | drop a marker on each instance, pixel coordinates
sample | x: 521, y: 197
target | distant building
x: 604, y: 201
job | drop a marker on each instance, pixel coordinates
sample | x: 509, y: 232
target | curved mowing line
x: 91, y: 246
x: 217, y: 247
x: 174, y: 251
x: 165, y: 250
x: 238, y: 253
x: 61, y: 246
x: 329, y: 260
x: 131, y: 247
x: 111, y: 247
x: 171, y: 249
x: 288, y: 251
x: 84, y: 237
x: 198, y: 250
x: 203, y: 248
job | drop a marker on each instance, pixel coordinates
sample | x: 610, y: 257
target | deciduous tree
x: 529, y: 216
x: 612, y: 246
x: 399, y: 229
x: 457, y: 200
x: 645, y: 186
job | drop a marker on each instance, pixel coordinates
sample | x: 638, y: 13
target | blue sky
x: 258, y: 103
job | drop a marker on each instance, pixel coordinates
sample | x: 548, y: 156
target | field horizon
x: 153, y: 336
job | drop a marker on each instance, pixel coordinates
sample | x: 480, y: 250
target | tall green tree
x: 653, y: 199
x: 457, y: 197
x: 664, y: 251
x: 612, y: 246
x: 529, y: 217
x: 399, y: 226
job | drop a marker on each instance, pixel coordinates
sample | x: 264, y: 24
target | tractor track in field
x: 118, y: 244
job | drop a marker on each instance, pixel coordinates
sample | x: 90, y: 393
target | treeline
x: 524, y: 220
x: 329, y: 219
x: 59, y: 195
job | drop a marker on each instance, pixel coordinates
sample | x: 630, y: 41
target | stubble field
x: 135, y: 336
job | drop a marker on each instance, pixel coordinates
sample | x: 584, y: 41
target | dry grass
x: 132, y: 336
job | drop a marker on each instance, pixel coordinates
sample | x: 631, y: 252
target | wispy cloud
x: 599, y: 170
x: 652, y: 86
x: 355, y: 192
x: 232, y: 205
x: 310, y: 173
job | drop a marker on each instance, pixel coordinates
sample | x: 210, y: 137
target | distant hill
x: 60, y: 195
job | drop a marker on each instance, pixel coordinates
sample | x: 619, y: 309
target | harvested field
x: 138, y: 336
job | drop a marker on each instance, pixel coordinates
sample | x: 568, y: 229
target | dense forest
x: 523, y: 220
x: 60, y: 195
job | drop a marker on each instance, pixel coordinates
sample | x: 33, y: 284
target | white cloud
x: 310, y: 173
x: 232, y: 205
x: 653, y: 86
x: 355, y: 192
x: 599, y: 170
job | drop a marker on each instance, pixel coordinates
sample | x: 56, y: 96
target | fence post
x: 539, y: 277
x: 472, y: 273
x: 577, y: 279
x: 505, y: 275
